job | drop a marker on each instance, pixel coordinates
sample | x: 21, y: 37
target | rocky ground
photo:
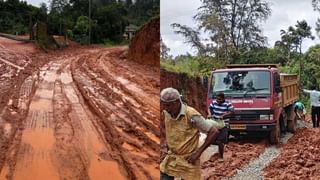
x: 255, y: 159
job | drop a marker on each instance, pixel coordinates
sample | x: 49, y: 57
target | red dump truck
x: 263, y: 98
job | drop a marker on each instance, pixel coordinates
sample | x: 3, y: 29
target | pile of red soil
x: 145, y: 46
x: 236, y: 156
x: 299, y: 158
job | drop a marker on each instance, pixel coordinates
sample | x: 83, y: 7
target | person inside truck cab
x: 219, y: 109
x: 237, y: 83
x: 182, y: 126
x: 315, y: 105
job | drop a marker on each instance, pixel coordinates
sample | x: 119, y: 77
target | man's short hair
x: 220, y: 94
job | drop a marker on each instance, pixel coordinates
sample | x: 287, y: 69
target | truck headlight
x: 266, y: 117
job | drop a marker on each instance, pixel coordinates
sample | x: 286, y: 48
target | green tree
x: 58, y: 15
x: 192, y: 37
x: 111, y: 22
x: 16, y: 16
x: 303, y: 31
x: 262, y: 55
x: 311, y: 73
x: 234, y: 22
x: 142, y: 10
x: 288, y: 43
x: 232, y: 25
x: 164, y: 50
x: 316, y: 7
x: 44, y: 12
x: 81, y: 29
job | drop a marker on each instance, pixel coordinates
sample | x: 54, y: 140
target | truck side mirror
x: 278, y: 89
x: 205, y: 81
x: 277, y: 84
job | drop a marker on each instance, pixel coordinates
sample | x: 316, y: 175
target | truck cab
x: 262, y: 97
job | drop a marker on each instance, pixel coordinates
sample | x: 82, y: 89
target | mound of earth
x: 299, y: 158
x: 145, y: 46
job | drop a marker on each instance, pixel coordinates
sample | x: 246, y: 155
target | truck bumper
x: 251, y: 127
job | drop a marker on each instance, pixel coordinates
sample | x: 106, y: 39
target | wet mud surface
x: 80, y: 113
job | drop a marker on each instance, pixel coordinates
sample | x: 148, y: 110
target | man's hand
x: 162, y: 156
x: 163, y: 152
x: 193, y: 157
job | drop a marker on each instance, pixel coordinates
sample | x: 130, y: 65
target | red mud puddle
x: 35, y: 158
x: 98, y: 167
x: 102, y: 169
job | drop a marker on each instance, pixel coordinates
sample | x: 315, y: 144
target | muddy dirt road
x: 256, y: 159
x: 82, y: 113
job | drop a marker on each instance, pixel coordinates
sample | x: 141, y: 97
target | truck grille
x: 248, y: 115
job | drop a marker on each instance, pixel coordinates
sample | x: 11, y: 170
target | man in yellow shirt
x: 182, y: 130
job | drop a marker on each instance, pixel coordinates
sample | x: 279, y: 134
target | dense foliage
x: 71, y: 17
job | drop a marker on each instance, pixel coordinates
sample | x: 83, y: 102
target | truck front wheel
x: 275, y: 134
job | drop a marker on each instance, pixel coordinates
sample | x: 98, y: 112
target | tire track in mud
x: 25, y: 91
x: 68, y: 159
x: 135, y: 98
x: 59, y: 140
x: 142, y: 81
x: 122, y: 112
x: 34, y: 160
x: 95, y: 150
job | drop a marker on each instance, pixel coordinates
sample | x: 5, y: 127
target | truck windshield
x: 241, y: 83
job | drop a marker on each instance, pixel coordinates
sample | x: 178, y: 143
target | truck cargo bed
x: 290, y: 91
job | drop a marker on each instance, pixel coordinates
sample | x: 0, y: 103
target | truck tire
x: 292, y: 125
x: 275, y: 134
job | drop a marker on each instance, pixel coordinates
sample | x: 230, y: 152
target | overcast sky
x: 285, y: 13
x: 37, y: 2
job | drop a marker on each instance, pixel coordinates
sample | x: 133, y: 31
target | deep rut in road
x: 128, y: 112
x: 86, y: 116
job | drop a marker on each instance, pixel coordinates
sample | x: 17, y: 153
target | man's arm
x: 229, y: 112
x: 211, y: 137
x: 209, y: 110
x: 163, y: 144
x: 209, y: 113
x: 306, y: 91
x: 212, y: 134
x: 226, y: 114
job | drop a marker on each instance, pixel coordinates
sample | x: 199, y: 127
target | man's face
x: 219, y: 100
x: 172, y: 107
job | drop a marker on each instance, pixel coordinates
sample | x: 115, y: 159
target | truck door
x: 277, y: 96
